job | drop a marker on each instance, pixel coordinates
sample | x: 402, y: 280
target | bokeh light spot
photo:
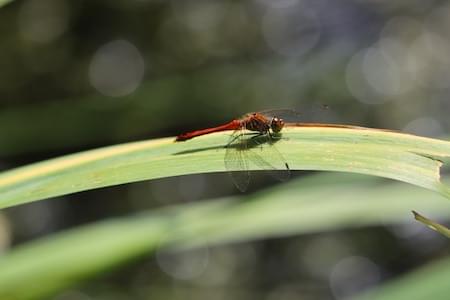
x: 321, y: 254
x: 425, y: 126
x: 116, y: 69
x: 291, y: 31
x: 42, y: 21
x: 382, y: 68
x: 352, y: 275
x: 357, y: 83
x: 186, y: 265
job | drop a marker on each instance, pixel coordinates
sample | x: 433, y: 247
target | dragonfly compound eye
x: 277, y: 124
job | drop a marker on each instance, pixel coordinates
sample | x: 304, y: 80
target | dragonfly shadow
x: 240, y: 144
x: 198, y: 150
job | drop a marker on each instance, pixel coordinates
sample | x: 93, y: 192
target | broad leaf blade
x: 404, y: 157
x: 317, y: 203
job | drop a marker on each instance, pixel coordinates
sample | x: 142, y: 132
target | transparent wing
x: 310, y: 113
x: 266, y: 157
x: 235, y: 162
x: 289, y: 115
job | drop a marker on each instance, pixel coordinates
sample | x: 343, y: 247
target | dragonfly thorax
x: 257, y: 122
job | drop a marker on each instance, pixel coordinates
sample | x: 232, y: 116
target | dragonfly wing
x: 277, y: 167
x: 288, y: 115
x: 235, y: 162
x: 314, y: 112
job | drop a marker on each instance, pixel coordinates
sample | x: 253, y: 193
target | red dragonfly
x: 265, y: 128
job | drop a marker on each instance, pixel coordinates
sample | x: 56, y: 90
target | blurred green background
x: 76, y: 75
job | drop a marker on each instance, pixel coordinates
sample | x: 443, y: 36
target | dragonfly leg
x: 235, y: 137
x: 275, y: 135
x: 255, y: 137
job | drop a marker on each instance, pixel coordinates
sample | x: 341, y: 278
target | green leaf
x: 4, y: 2
x: 403, y: 157
x: 432, y: 224
x: 429, y: 282
x: 317, y: 203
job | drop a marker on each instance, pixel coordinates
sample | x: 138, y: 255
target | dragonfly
x: 251, y: 142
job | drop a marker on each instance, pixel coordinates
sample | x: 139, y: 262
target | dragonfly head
x: 276, y: 124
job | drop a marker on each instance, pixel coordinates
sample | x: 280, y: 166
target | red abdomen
x: 233, y: 125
